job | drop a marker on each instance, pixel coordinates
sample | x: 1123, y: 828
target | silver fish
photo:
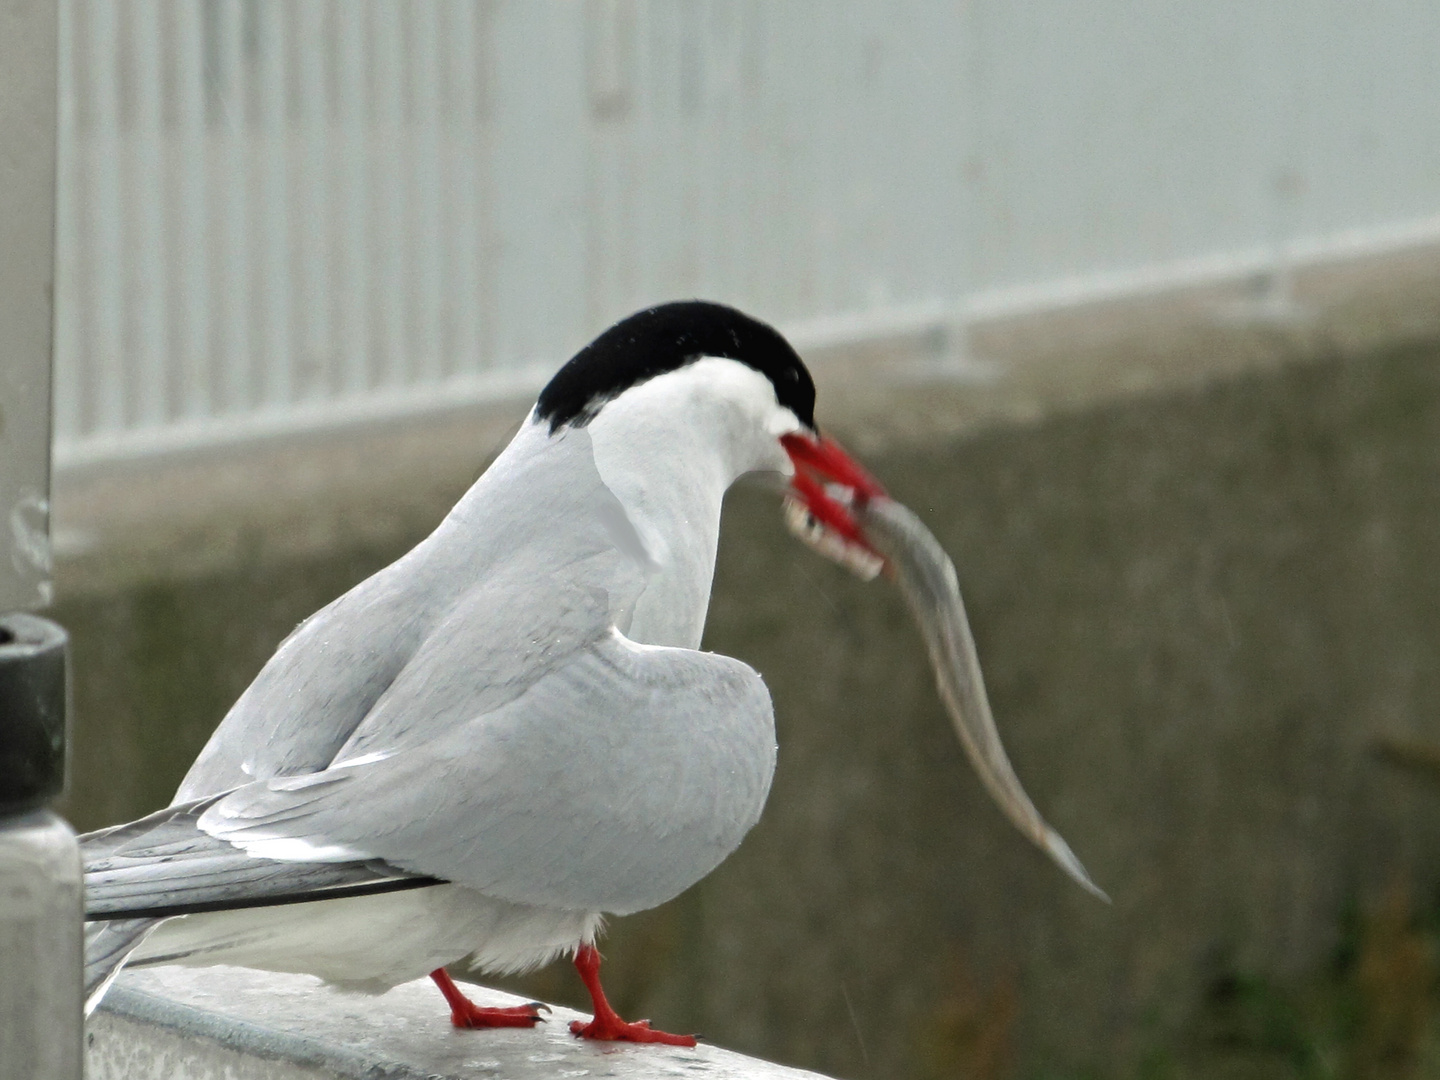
x: 917, y: 563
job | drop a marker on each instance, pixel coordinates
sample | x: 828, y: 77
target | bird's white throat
x: 668, y: 449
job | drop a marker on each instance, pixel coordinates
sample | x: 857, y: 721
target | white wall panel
x: 275, y: 208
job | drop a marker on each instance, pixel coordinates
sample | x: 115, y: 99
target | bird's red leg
x: 464, y: 1013
x: 607, y: 1025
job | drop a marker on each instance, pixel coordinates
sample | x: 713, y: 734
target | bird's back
x: 538, y: 528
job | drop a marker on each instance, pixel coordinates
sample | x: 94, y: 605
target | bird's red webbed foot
x: 612, y: 1029
x: 464, y: 1013
x: 607, y: 1024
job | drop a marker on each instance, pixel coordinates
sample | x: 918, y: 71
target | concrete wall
x: 1200, y: 609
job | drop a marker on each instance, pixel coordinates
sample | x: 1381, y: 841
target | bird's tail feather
x: 139, y: 874
x: 107, y: 946
x: 165, y: 864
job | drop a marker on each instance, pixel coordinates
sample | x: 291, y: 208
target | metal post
x: 41, y: 891
x: 28, y: 99
x: 41, y: 888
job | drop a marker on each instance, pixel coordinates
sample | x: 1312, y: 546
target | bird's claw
x: 639, y: 1031
x: 477, y: 1016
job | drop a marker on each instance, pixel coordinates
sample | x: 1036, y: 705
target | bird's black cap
x: 665, y: 338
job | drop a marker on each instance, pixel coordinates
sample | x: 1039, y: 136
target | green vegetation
x: 1370, y: 1014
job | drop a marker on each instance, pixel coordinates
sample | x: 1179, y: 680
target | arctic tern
x: 511, y: 732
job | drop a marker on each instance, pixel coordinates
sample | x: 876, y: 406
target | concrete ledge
x: 196, y: 1024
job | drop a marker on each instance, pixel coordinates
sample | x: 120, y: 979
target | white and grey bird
x: 511, y: 731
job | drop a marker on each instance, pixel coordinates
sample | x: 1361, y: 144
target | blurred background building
x: 270, y: 211
x: 1138, y: 302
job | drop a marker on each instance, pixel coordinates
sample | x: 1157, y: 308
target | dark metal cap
x: 32, y: 711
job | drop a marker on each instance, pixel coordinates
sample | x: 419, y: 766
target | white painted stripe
x: 272, y: 140
x: 191, y: 254
x: 105, y: 302
x: 351, y: 192
x: 144, y: 180
x: 517, y: 384
x: 1347, y: 247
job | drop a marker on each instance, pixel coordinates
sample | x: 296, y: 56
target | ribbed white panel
x: 309, y: 129
x: 105, y: 354
x: 276, y: 213
x: 190, y: 252
x: 277, y: 210
x: 349, y: 198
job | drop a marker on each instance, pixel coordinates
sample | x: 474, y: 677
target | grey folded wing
x: 619, y: 778
x: 164, y: 865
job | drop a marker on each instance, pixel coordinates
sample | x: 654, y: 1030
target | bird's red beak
x: 827, y: 484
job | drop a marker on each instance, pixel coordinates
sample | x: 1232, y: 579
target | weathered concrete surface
x: 232, y: 1024
x: 1196, y: 610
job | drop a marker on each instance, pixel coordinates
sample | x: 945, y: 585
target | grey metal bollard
x: 41, y: 885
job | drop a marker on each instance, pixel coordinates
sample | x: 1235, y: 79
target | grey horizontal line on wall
x: 176, y: 501
x: 825, y: 339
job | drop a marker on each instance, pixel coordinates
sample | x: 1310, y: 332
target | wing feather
x: 612, y: 783
x: 164, y: 865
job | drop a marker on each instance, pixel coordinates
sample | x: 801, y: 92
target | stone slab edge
x: 401, y: 1035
